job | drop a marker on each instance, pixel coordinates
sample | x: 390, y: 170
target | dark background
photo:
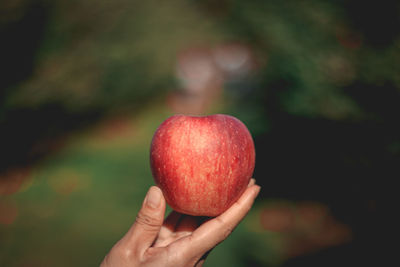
x: 84, y: 85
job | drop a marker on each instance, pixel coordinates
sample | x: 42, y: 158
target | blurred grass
x: 84, y: 198
x: 83, y: 89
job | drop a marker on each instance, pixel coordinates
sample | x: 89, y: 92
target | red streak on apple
x: 202, y: 164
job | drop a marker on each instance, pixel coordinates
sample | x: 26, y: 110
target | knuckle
x: 221, y: 221
x: 225, y: 228
x: 242, y: 205
x: 146, y: 220
x: 226, y: 232
x: 124, y: 253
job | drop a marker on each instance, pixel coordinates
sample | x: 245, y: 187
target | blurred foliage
x: 97, y: 55
x: 83, y: 86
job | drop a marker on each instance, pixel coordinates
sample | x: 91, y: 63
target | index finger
x: 214, y: 231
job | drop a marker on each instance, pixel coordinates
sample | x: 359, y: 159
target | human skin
x: 180, y: 240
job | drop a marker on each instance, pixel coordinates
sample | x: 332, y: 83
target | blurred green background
x: 84, y: 85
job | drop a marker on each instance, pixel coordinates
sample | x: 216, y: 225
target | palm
x: 177, y: 226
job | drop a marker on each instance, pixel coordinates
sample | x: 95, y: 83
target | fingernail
x: 153, y: 197
x: 258, y: 190
x: 252, y: 182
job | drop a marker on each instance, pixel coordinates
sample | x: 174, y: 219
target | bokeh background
x: 84, y: 85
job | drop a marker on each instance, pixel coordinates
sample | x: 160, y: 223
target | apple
x: 202, y: 164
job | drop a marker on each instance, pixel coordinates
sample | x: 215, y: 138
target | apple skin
x: 202, y: 164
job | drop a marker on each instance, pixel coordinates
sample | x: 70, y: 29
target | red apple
x: 202, y: 164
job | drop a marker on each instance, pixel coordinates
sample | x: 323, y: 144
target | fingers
x: 177, y: 226
x: 170, y: 224
x: 252, y: 182
x: 216, y: 230
x: 148, y: 221
x: 188, y: 224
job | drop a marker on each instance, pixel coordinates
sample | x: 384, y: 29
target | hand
x: 181, y: 240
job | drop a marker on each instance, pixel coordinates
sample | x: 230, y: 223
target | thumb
x: 148, y: 221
